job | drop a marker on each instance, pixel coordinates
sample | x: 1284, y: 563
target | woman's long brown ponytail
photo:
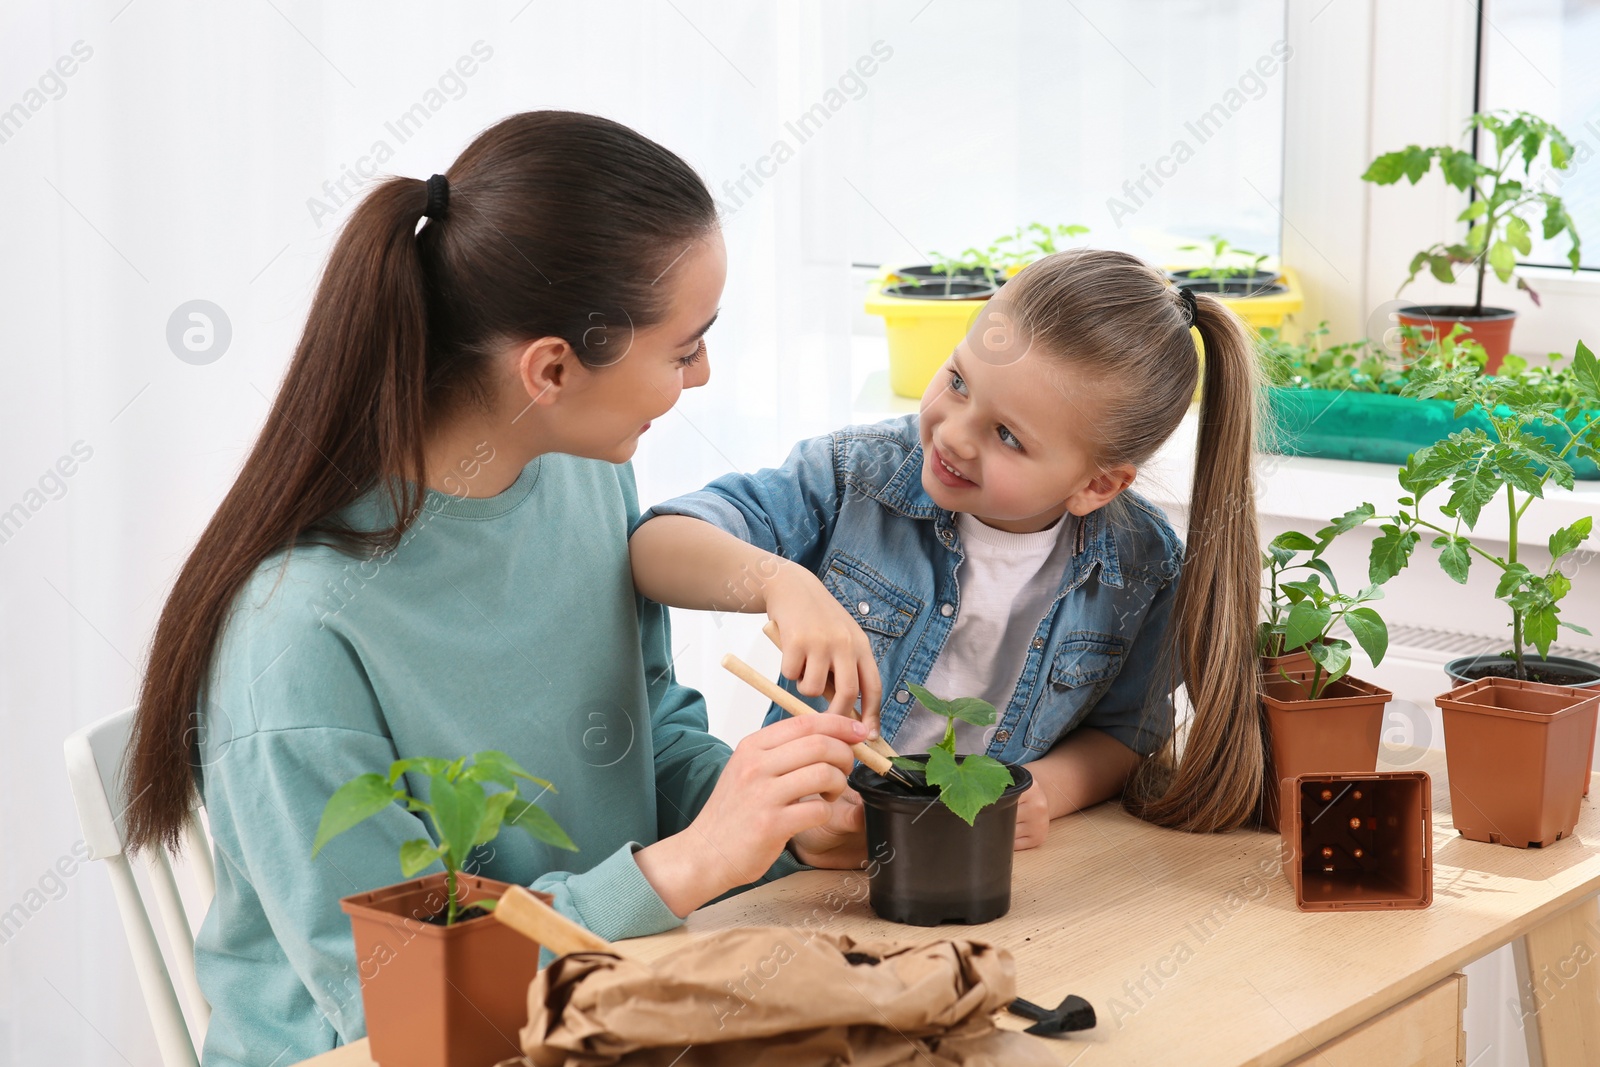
x: 1122, y: 324
x: 555, y: 218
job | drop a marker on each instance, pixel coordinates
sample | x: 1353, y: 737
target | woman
x: 426, y: 555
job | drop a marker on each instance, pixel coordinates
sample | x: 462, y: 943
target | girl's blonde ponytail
x: 1215, y: 779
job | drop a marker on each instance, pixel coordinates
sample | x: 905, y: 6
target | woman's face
x: 602, y: 411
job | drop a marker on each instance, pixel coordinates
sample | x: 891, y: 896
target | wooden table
x: 1191, y: 948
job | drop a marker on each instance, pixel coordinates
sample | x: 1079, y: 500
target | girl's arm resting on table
x: 1082, y: 769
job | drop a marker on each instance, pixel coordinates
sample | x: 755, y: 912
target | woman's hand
x: 821, y: 640
x: 781, y: 781
x: 1033, y: 817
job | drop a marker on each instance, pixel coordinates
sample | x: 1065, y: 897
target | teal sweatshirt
x: 507, y: 622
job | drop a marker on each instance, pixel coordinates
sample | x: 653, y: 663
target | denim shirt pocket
x: 1084, y: 665
x: 881, y: 608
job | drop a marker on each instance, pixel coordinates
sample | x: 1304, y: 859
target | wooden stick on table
x: 877, y: 743
x: 795, y: 706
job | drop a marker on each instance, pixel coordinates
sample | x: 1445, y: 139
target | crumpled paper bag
x: 780, y: 997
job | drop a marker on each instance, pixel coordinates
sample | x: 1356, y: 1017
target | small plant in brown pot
x: 1320, y: 719
x: 441, y: 984
x: 1519, y: 729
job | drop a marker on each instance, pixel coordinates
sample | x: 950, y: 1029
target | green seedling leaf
x: 426, y: 764
x: 1539, y: 627
x: 928, y: 700
x: 538, y: 823
x: 417, y: 856
x: 1305, y: 624
x: 968, y: 786
x: 354, y: 802
x: 973, y: 710
x: 1391, y: 550
x: 494, y: 813
x: 906, y: 763
x: 457, y: 814
x: 1370, y: 631
x: 1333, y: 657
x: 1454, y: 557
x: 1294, y: 539
x: 499, y: 761
x: 1565, y: 540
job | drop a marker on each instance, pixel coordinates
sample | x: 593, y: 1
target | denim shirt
x: 850, y: 507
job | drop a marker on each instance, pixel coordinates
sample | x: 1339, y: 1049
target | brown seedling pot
x: 1518, y: 754
x: 1289, y: 661
x: 1338, y: 732
x: 434, y: 995
x: 1358, y: 842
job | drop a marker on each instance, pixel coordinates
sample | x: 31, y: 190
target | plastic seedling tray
x: 1359, y: 842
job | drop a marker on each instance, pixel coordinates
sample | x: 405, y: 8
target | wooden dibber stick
x: 795, y: 706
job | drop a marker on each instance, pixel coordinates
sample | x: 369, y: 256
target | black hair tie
x: 1186, y: 295
x: 438, y: 197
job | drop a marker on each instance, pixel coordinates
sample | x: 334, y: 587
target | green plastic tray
x: 1372, y: 427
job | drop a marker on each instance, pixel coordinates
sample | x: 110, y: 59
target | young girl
x: 989, y: 546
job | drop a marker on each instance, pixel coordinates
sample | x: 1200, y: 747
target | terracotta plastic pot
x: 1464, y: 669
x: 1491, y: 329
x: 1359, y: 842
x: 440, y: 996
x: 930, y: 866
x: 1519, y: 755
x: 1337, y: 733
x: 1290, y: 662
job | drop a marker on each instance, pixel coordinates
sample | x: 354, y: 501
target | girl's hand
x: 821, y: 640
x: 780, y: 782
x: 841, y: 842
x: 1033, y: 817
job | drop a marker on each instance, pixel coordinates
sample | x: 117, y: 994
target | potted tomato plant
x: 1232, y: 271
x: 441, y: 984
x: 943, y: 844
x: 1511, y: 715
x: 1504, y: 196
x: 1319, y: 718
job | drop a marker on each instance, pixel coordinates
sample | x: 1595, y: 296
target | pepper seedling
x: 967, y: 784
x: 463, y: 813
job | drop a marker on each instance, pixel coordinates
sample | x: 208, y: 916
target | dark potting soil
x: 1549, y: 673
x: 473, y: 912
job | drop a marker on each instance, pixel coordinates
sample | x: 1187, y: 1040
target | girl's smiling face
x: 1005, y: 431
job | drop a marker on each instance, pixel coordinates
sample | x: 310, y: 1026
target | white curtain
x: 159, y: 152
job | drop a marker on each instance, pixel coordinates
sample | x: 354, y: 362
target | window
x: 1153, y: 124
x: 1539, y: 56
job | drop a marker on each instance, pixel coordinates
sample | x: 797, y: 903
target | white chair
x: 94, y: 769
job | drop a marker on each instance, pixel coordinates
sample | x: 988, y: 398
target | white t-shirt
x: 1007, y: 581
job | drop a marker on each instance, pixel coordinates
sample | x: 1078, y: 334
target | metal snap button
x: 903, y: 696
x: 864, y: 608
x: 1002, y: 735
x: 947, y: 610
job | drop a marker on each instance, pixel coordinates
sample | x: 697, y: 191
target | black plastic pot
x: 926, y: 272
x: 1257, y: 279
x: 940, y: 289
x: 1583, y: 675
x: 1234, y: 287
x: 928, y: 866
